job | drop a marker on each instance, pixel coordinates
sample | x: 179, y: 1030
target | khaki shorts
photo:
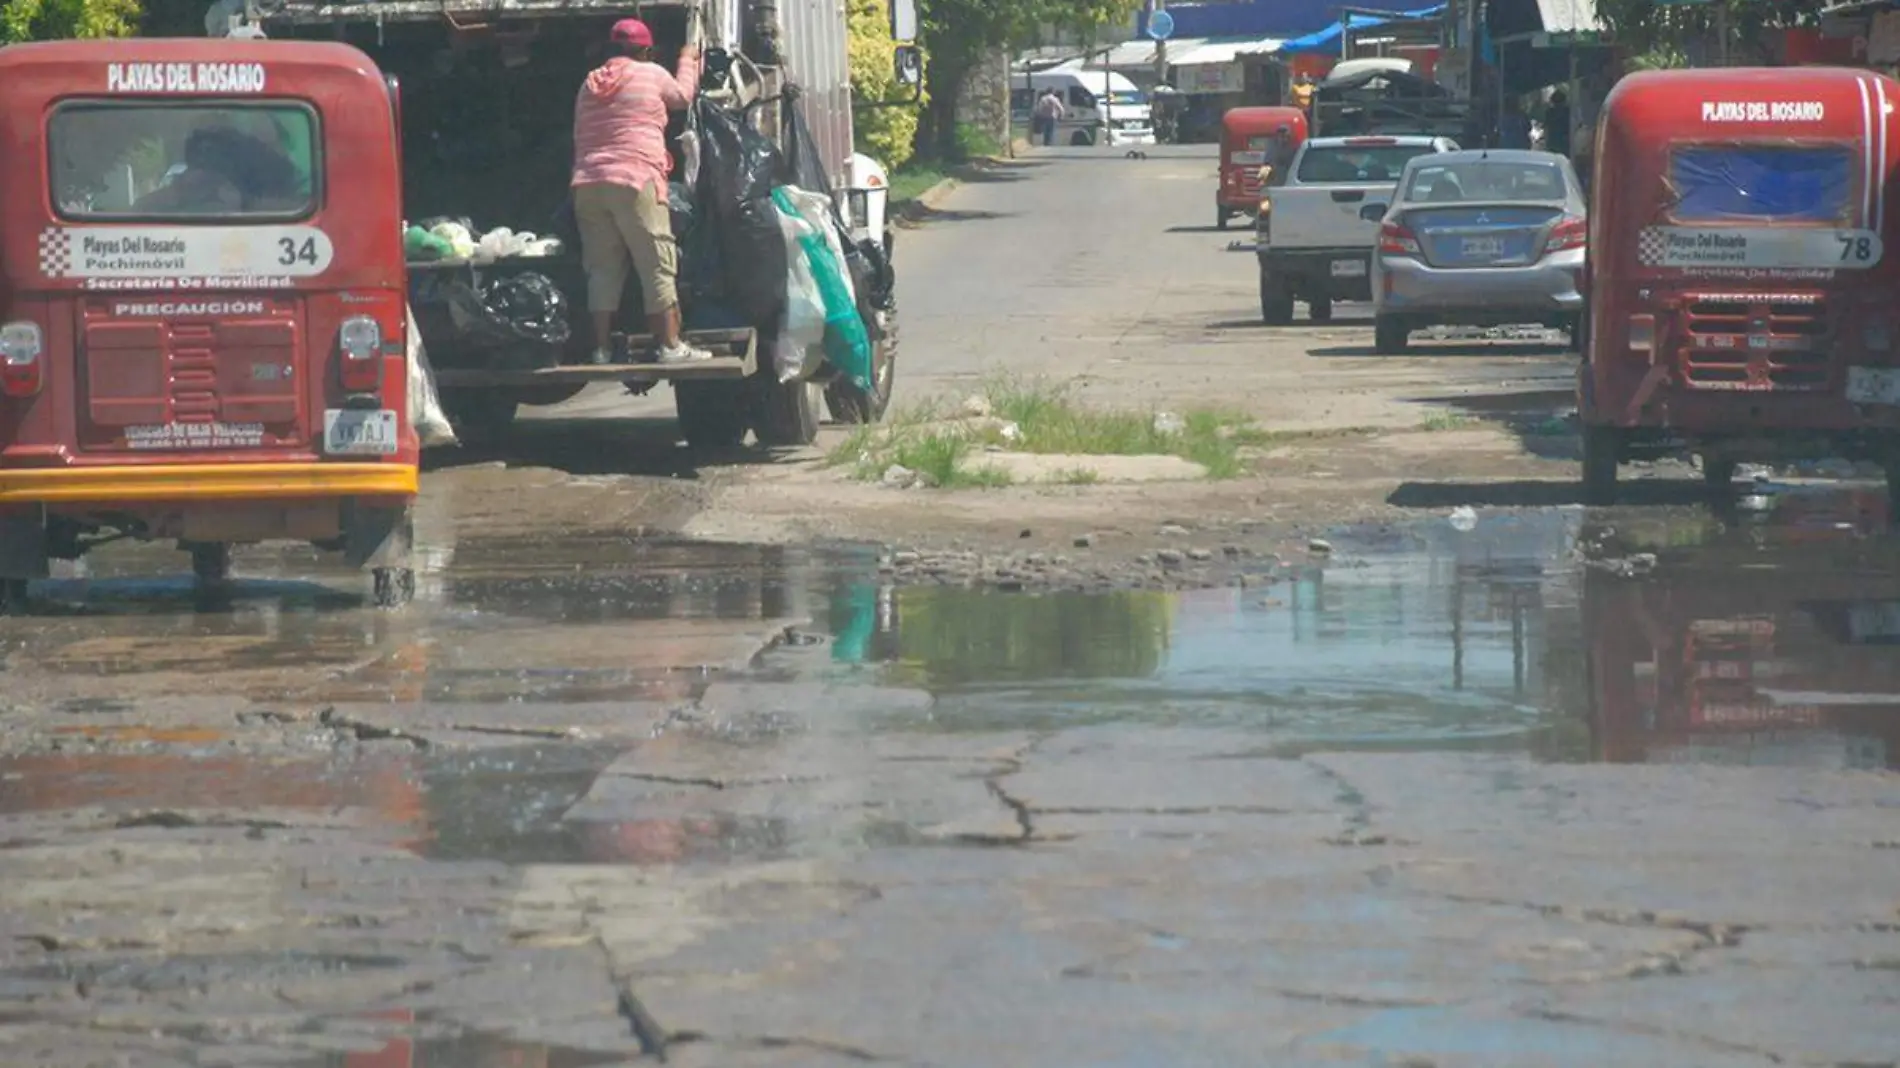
x: 618, y: 224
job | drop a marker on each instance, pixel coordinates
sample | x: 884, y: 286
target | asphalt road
x: 1438, y: 796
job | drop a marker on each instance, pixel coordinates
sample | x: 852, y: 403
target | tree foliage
x: 887, y: 134
x: 1643, y: 26
x: 959, y: 33
x: 51, y: 20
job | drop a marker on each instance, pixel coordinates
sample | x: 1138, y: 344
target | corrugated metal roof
x: 1219, y: 50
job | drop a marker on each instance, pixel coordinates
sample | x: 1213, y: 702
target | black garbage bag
x: 805, y: 165
x: 509, y: 310
x: 736, y: 162
x: 738, y: 168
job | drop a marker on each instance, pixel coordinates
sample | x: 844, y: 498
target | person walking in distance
x: 1049, y: 112
x: 620, y: 174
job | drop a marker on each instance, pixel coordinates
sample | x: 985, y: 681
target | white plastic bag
x: 799, y: 350
x: 425, y: 407
x: 814, y: 210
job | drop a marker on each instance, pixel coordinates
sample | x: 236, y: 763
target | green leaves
x: 1669, y: 29
x: 49, y: 20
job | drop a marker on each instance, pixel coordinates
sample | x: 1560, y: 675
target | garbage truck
x: 484, y: 94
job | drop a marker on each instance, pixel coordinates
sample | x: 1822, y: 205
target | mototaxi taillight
x: 22, y: 359
x: 360, y: 355
x: 1395, y: 239
x: 1570, y: 232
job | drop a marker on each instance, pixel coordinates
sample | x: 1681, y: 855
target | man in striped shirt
x: 620, y: 173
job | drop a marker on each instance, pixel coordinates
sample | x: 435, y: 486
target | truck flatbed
x: 735, y: 356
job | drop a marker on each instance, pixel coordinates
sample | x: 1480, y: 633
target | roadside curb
x: 924, y: 204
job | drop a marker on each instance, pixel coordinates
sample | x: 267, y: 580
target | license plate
x: 347, y: 432
x: 1873, y: 385
x: 1349, y: 268
x: 1874, y: 622
x: 1489, y: 248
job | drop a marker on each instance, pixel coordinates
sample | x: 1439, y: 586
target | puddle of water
x: 1766, y: 639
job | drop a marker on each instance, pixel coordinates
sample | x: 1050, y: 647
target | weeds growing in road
x: 1447, y: 421
x: 909, y: 183
x: 1042, y: 419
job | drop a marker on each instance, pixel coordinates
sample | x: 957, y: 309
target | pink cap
x: 632, y: 32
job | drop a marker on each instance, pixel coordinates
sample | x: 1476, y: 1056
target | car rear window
x: 1357, y: 163
x: 1790, y: 184
x: 184, y: 161
x: 1492, y: 180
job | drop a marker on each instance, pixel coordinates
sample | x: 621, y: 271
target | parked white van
x: 1103, y: 107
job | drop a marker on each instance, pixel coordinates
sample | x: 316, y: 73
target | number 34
x: 1856, y: 248
x: 291, y: 251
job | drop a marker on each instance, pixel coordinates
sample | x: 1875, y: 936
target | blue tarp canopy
x: 1327, y: 40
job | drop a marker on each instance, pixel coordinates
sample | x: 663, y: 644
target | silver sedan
x: 1480, y: 238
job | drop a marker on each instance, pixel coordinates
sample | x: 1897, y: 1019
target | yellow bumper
x: 205, y: 482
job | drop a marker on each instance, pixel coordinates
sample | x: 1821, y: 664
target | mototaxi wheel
x: 1602, y: 455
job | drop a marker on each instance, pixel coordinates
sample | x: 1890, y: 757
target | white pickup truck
x: 1315, y: 240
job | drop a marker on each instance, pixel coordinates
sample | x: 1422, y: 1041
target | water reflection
x: 1770, y: 643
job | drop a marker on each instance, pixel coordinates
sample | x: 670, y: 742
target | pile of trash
x: 433, y: 240
x: 761, y: 237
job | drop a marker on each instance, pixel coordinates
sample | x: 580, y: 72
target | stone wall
x: 985, y: 100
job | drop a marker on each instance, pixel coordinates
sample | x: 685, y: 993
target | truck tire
x: 1276, y: 300
x: 1602, y: 455
x: 479, y: 416
x: 713, y: 415
x: 12, y: 597
x: 1390, y: 335
x: 785, y: 414
x: 1320, y: 309
x: 1221, y: 215
x: 848, y: 403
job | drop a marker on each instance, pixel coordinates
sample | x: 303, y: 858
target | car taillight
x: 361, y: 342
x: 1397, y: 239
x: 22, y: 359
x: 1567, y: 234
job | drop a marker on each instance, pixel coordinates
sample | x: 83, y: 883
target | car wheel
x: 1276, y: 300
x: 1602, y: 455
x: 1390, y: 335
x: 1320, y: 309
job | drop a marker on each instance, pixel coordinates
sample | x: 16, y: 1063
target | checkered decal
x: 1651, y: 246
x: 56, y: 252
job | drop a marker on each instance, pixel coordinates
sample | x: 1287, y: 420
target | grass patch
x: 1043, y: 419
x: 1447, y: 421
x: 909, y: 183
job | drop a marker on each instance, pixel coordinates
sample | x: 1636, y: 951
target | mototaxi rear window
x: 1765, y: 183
x: 184, y: 161
x: 1357, y: 163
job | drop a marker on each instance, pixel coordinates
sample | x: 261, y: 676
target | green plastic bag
x: 847, y: 343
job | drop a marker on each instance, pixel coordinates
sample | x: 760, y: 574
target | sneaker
x: 683, y: 353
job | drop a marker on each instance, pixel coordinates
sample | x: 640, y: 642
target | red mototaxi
x: 1247, y: 142
x: 1743, y: 265
x: 202, y: 303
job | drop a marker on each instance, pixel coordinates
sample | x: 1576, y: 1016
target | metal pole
x: 1721, y: 32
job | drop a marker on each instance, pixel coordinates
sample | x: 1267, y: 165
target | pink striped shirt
x: 620, y: 121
